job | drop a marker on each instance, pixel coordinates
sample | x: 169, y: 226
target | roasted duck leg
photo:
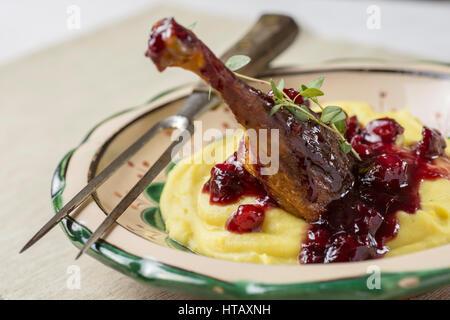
x: 313, y: 171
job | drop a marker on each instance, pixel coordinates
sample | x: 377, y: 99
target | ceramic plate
x: 139, y: 247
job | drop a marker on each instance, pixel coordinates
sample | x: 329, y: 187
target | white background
x: 418, y: 28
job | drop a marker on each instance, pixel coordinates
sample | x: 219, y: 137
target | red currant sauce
x: 228, y: 183
x: 358, y: 226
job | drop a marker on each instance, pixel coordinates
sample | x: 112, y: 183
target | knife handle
x: 266, y: 39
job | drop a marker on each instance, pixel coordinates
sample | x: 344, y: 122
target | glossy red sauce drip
x: 162, y: 31
x: 160, y: 39
x: 228, y: 183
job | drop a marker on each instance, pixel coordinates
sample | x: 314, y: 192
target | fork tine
x: 137, y: 189
x: 80, y: 197
x: 93, y: 185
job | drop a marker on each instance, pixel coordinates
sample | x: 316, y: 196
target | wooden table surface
x: 52, y: 98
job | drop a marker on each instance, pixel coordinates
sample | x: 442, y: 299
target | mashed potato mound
x: 191, y: 220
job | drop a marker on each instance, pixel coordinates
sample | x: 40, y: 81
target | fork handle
x: 267, y: 38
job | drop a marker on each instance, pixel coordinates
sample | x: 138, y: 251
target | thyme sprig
x: 332, y: 117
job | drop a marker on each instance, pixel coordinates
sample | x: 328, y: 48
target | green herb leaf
x: 311, y: 93
x: 316, y: 83
x: 275, y: 108
x: 298, y: 113
x: 341, y: 126
x: 332, y: 114
x: 303, y: 88
x: 276, y: 93
x: 280, y: 85
x: 236, y: 62
x: 345, y: 146
x: 191, y: 26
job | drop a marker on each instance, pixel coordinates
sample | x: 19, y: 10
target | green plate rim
x: 177, y: 279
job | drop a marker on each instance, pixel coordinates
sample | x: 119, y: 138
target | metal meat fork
x: 270, y: 36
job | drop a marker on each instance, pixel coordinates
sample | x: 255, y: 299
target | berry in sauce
x: 230, y: 181
x: 292, y: 94
x: 432, y: 145
x: 386, y: 171
x: 353, y: 127
x: 382, y: 130
x: 247, y: 218
x: 360, y: 146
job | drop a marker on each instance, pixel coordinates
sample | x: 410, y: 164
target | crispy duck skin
x: 313, y: 171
